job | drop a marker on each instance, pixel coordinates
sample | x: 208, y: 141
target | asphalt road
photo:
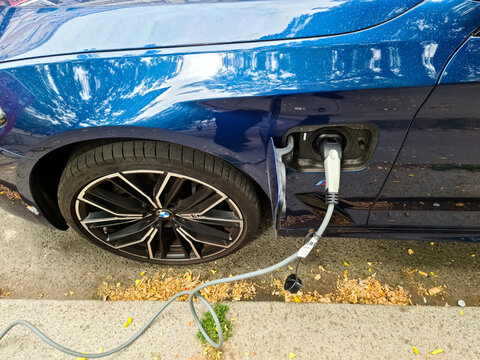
x: 38, y: 261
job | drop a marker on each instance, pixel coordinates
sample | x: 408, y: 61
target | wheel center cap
x: 163, y: 214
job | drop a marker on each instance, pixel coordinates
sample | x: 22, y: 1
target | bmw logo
x: 163, y: 214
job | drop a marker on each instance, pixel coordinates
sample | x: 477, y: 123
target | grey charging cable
x: 332, y: 173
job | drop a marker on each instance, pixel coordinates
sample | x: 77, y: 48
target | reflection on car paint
x: 229, y: 99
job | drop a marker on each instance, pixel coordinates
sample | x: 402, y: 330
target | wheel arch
x: 46, y: 173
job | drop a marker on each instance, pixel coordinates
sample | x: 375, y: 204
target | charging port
x: 358, y: 145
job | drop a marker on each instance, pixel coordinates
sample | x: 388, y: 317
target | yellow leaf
x: 189, y: 278
x: 370, y: 269
x: 461, y: 312
x: 422, y: 273
x: 410, y: 251
x: 129, y: 321
x: 345, y: 263
x: 432, y: 243
x: 410, y: 301
x: 142, y: 273
x: 297, y: 299
x: 137, y: 282
x: 213, y: 271
x: 432, y: 273
x: 291, y: 356
x: 435, y: 352
x: 345, y: 274
x: 79, y: 358
x: 415, y: 350
x: 369, y: 263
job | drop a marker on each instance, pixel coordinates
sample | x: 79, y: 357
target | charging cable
x: 331, y: 150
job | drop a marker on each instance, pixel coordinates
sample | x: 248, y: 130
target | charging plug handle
x: 331, y: 152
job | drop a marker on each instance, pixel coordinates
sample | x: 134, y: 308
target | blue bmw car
x: 166, y: 131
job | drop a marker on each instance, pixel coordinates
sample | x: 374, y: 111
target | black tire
x: 104, y: 190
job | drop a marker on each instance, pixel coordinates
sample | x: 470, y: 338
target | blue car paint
x: 198, y: 86
x: 86, y: 29
x: 436, y: 177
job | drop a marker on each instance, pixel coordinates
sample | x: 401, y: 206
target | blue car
x: 167, y: 131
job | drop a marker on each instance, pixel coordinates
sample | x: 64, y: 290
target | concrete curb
x: 262, y: 330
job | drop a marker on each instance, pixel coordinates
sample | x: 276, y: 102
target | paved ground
x: 40, y: 261
x: 263, y: 330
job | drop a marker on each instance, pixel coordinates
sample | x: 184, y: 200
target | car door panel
x: 436, y: 180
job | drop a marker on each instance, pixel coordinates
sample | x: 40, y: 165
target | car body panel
x: 230, y: 98
x: 436, y: 179
x: 33, y: 31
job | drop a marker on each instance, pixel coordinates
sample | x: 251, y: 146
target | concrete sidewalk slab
x: 271, y: 330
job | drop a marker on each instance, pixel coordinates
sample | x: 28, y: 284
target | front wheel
x: 158, y: 202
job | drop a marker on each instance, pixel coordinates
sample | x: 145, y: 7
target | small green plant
x: 209, y: 325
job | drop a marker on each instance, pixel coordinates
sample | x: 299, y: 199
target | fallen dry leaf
x: 435, y: 290
x: 129, y: 321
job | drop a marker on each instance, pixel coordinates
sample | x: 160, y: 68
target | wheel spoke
x: 204, y: 233
x: 159, y: 187
x: 219, y: 218
x: 114, y: 223
x: 103, y: 217
x: 113, y: 203
x: 126, y: 242
x: 188, y: 238
x: 158, y: 242
x: 136, y: 183
x: 133, y: 229
x: 177, y: 184
x: 187, y: 246
x: 199, y: 202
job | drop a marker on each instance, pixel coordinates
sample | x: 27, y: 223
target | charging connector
x: 331, y: 152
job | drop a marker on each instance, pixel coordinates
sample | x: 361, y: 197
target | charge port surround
x: 358, y: 142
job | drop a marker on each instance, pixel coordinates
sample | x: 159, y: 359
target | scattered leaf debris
x: 9, y: 193
x: 354, y: 291
x: 162, y: 287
